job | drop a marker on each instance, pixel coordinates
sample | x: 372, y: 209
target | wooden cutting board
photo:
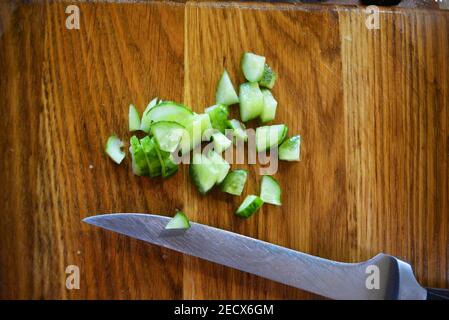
x: 370, y: 105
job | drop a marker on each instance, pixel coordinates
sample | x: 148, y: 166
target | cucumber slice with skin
x: 168, y: 166
x: 268, y: 78
x: 203, y: 172
x: 218, y: 114
x: 149, y: 148
x: 225, y: 93
x: 270, y: 136
x: 133, y: 118
x: 249, y: 206
x: 234, y: 182
x: 270, y: 191
x: 269, y: 107
x: 221, y: 142
x: 179, y: 221
x: 252, y: 66
x: 193, y: 133
x: 168, y: 111
x: 168, y: 134
x: 113, y: 149
x: 238, y: 130
x: 143, y: 125
x: 139, y: 162
x: 251, y: 101
x: 290, y: 149
x: 220, y: 164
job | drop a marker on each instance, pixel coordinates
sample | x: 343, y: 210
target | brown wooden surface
x: 371, y: 106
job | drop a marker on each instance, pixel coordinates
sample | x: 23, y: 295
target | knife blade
x: 382, y: 277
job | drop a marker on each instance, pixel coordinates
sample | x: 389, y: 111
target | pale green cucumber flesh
x: 203, y: 172
x: 226, y: 93
x: 252, y: 66
x: 193, y: 134
x: 133, y: 118
x: 270, y: 191
x: 168, y: 134
x: 270, y: 136
x: 139, y: 162
x: 144, y: 125
x: 218, y: 116
x: 221, y: 165
x: 179, y: 221
x: 268, y: 78
x: 234, y: 182
x: 269, y: 108
x: 238, y: 130
x: 168, y: 111
x: 149, y: 148
x: 290, y: 149
x: 251, y: 101
x: 221, y: 142
x: 113, y: 149
x: 249, y: 206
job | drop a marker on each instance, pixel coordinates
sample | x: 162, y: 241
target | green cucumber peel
x: 249, y: 206
x: 178, y: 222
x: 268, y: 77
x: 149, y: 148
x: 218, y: 115
x: 139, y: 162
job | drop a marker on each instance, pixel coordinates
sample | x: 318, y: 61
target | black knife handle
x: 437, y: 294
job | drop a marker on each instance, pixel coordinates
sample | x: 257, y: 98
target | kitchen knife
x: 382, y: 277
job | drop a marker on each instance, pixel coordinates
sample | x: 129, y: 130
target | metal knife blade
x: 335, y: 280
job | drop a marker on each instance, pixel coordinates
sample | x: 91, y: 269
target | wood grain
x: 371, y: 106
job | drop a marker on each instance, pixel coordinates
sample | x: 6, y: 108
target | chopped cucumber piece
x: 133, y: 118
x: 143, y: 126
x: 290, y: 149
x: 113, y: 149
x: 249, y: 206
x: 139, y: 162
x: 225, y: 93
x: 270, y: 191
x: 218, y: 114
x: 168, y: 134
x: 194, y: 132
x: 168, y: 165
x: 221, y: 165
x: 221, y: 142
x: 149, y: 148
x: 270, y: 136
x: 168, y: 111
x: 251, y: 101
x: 179, y: 221
x: 203, y: 172
x: 234, y: 182
x: 268, y: 78
x: 238, y: 130
x: 253, y: 66
x: 269, y: 106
